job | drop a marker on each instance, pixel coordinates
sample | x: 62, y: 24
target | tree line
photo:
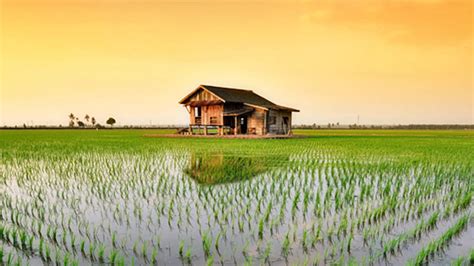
x: 89, y: 121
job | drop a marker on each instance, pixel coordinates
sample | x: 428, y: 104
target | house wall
x: 203, y: 95
x: 207, y: 113
x: 256, y: 121
x: 276, y: 125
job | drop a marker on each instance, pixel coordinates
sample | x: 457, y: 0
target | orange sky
x: 386, y: 61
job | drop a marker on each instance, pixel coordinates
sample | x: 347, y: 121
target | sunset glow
x: 384, y: 61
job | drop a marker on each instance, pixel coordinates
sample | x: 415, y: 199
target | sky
x: 381, y: 61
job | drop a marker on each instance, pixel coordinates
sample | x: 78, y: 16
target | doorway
x: 243, y: 125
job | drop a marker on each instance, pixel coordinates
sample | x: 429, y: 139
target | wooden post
x: 219, y: 131
x: 264, y: 130
x: 290, y: 131
x: 235, y: 126
x: 205, y: 129
x: 190, y: 129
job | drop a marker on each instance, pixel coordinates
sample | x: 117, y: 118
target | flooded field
x: 337, y: 197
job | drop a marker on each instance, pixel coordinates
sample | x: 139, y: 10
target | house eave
x: 195, y: 90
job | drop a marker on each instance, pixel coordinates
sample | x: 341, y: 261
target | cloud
x: 420, y: 22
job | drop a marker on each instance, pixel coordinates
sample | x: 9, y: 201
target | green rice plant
x: 181, y: 248
x: 144, y: 251
x: 268, y: 250
x: 260, y: 228
x: 471, y: 257
x: 10, y: 259
x: 47, y: 254
x: 188, y: 256
x: 248, y: 261
x: 304, y: 240
x: 458, y: 262
x: 154, y: 257
x: 66, y: 261
x: 101, y: 253
x: 437, y: 244
x: 218, y: 237
x: 349, y: 243
x: 210, y: 261
x: 245, y: 249
x: 113, y: 257
x: 286, y: 244
x: 92, y: 251
x: 206, y: 244
x: 114, y: 240
x: 82, y: 246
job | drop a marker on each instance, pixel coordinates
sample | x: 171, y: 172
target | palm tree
x: 87, y: 118
x: 71, y: 120
x: 93, y: 121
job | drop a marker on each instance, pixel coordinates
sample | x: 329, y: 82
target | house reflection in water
x: 219, y: 168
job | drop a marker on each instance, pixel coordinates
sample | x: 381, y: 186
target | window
x: 197, y: 111
x: 213, y: 119
x: 272, y: 120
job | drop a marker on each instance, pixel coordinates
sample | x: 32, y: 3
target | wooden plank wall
x: 256, y: 121
x: 278, y: 127
x: 202, y: 95
x: 213, y: 111
x: 206, y: 111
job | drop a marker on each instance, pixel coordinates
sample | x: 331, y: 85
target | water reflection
x: 218, y: 168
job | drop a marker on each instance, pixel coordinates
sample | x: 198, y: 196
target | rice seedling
x: 181, y: 248
x: 206, y: 244
x: 443, y: 240
x: 154, y: 257
x: 260, y: 228
x: 188, y: 256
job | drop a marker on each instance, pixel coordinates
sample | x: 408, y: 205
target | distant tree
x: 80, y: 124
x: 337, y: 123
x: 71, y: 120
x: 93, y: 121
x: 24, y: 125
x: 329, y: 125
x: 87, y: 118
x: 111, y: 121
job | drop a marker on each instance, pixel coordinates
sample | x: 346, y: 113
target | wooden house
x: 235, y: 111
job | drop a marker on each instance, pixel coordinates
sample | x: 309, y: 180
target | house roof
x: 244, y: 110
x: 246, y: 97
